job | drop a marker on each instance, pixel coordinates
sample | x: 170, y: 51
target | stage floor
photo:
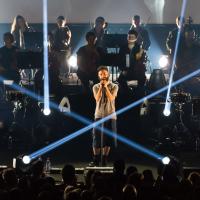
x: 80, y: 158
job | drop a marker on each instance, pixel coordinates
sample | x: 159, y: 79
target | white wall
x: 116, y: 11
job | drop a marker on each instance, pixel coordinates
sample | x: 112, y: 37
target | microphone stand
x: 102, y: 132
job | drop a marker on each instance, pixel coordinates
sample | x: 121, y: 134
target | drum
x: 180, y: 98
x: 13, y: 95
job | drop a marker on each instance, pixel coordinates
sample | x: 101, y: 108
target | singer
x: 105, y: 93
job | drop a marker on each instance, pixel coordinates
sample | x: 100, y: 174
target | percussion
x: 180, y: 98
x: 13, y: 95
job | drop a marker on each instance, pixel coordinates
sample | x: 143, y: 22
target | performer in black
x: 19, y: 26
x: 88, y: 60
x: 143, y: 35
x: 188, y: 61
x: 105, y: 93
x: 171, y: 39
x: 99, y: 30
x: 8, y: 59
x: 61, y: 44
x: 136, y: 57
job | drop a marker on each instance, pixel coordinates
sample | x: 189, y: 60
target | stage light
x: 163, y: 61
x: 26, y: 159
x: 157, y: 80
x: 167, y: 109
x: 166, y: 160
x: 46, y: 111
x: 166, y: 112
x: 45, y: 56
x: 72, y: 61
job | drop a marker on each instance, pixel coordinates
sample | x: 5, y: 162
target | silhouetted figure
x: 88, y: 60
x: 143, y: 35
x: 8, y: 59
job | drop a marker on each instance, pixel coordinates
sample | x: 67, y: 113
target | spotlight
x: 26, y: 160
x: 72, y: 61
x: 46, y: 111
x: 166, y: 160
x: 163, y: 61
x: 166, y: 112
x: 167, y: 109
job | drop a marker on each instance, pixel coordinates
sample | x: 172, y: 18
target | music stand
x: 114, y: 42
x: 33, y: 40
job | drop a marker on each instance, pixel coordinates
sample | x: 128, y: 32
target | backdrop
x: 84, y: 11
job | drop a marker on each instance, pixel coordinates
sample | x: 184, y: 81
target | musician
x: 143, y: 35
x: 188, y: 55
x: 135, y: 69
x: 8, y: 59
x: 105, y: 93
x: 100, y: 28
x: 18, y: 27
x: 172, y: 37
x: 88, y: 60
x: 188, y: 60
x: 61, y: 44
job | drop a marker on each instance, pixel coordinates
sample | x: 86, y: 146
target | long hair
x: 15, y: 26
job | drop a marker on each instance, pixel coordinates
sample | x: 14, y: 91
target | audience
x: 132, y: 185
x: 68, y: 177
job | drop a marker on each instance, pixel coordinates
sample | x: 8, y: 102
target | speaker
x: 157, y: 80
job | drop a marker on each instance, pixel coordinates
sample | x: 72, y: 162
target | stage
x: 144, y: 124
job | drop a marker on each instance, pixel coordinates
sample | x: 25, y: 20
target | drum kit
x: 183, y: 125
x: 181, y: 101
x: 14, y: 96
x: 180, y: 98
x: 21, y: 102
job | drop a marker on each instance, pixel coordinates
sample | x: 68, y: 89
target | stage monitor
x: 29, y: 59
x: 33, y: 40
